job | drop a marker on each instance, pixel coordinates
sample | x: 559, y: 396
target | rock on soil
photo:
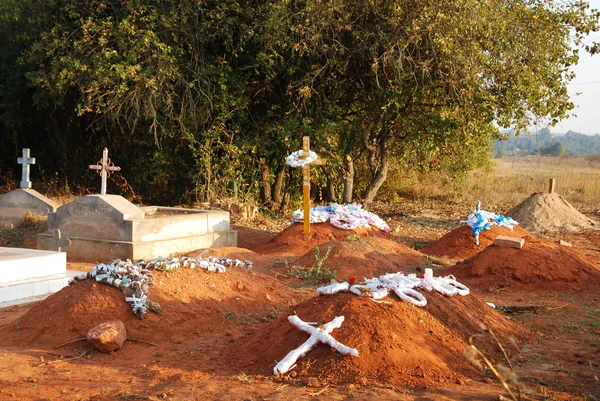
x: 192, y: 300
x: 539, y: 266
x: 108, y: 336
x: 459, y: 244
x: 398, y: 343
x: 550, y: 213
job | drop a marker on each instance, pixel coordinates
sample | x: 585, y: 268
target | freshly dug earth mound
x: 549, y: 213
x: 539, y: 266
x: 293, y: 241
x: 192, y: 302
x: 460, y: 243
x: 399, y: 343
x: 365, y: 257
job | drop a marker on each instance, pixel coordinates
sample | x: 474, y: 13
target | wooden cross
x: 56, y: 242
x: 306, y: 182
x: 25, y: 161
x: 104, y: 167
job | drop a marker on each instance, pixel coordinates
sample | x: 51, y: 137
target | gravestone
x: 28, y: 275
x: 106, y: 227
x: 15, y: 204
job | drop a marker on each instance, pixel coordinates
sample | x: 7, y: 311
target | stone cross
x: 25, y: 161
x: 306, y: 183
x: 104, y: 167
x: 317, y: 335
x: 56, y: 242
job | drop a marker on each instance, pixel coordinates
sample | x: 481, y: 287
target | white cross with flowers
x: 317, y: 335
x: 304, y: 158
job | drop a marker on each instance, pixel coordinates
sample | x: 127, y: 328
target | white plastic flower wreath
x: 300, y: 159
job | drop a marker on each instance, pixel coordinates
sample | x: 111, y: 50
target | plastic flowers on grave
x: 344, y: 216
x: 301, y: 158
x: 480, y: 220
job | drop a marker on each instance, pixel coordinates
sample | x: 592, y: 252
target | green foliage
x: 316, y: 272
x: 195, y: 98
x: 557, y: 149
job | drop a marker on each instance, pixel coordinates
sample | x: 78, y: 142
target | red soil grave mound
x: 550, y: 213
x: 539, y: 265
x: 399, y: 343
x: 460, y: 243
x: 293, y: 241
x: 192, y: 301
x: 365, y: 257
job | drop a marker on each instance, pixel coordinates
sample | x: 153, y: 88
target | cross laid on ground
x: 56, y: 242
x: 104, y: 167
x: 317, y: 335
x: 306, y: 182
x: 25, y: 161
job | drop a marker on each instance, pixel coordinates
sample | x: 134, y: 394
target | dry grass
x: 506, y: 184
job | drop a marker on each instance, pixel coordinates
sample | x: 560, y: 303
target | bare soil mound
x: 549, y: 213
x: 399, y: 344
x: 539, y: 266
x: 365, y: 257
x: 193, y: 301
x: 293, y: 241
x: 460, y: 243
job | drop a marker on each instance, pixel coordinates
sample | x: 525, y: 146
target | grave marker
x: 56, y: 242
x: 25, y: 161
x: 306, y: 181
x: 104, y: 167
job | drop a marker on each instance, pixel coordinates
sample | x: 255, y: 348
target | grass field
x: 507, y: 183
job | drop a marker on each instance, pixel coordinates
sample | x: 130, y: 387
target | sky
x: 585, y: 91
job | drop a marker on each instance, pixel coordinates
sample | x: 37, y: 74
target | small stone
x: 88, y: 356
x: 108, y: 336
x: 293, y: 374
x: 565, y: 243
x: 520, y: 299
x: 268, y: 297
x: 459, y: 381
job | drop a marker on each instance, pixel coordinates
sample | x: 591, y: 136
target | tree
x: 427, y: 78
x: 557, y: 149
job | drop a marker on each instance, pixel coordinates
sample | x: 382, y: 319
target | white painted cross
x: 25, y: 161
x: 104, y: 167
x: 317, y: 335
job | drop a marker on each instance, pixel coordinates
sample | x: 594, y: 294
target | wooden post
x: 552, y: 185
x: 306, y: 185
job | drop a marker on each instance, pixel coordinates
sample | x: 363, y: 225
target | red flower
x: 351, y: 279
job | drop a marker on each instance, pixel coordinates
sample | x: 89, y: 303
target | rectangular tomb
x: 106, y: 227
x: 28, y: 274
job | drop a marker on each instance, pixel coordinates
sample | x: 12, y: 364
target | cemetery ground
x: 220, y: 335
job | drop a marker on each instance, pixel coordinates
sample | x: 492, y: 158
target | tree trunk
x: 265, y: 187
x: 347, y: 175
x: 331, y: 195
x: 278, y: 187
x: 380, y: 165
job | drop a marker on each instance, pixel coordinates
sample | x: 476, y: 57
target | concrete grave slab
x: 15, y: 204
x: 27, y: 275
x: 106, y: 227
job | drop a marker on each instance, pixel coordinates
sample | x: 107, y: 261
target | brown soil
x: 460, y: 243
x: 186, y: 296
x: 365, y: 257
x: 293, y: 241
x: 398, y: 344
x: 547, y: 213
x: 539, y: 266
x: 220, y: 334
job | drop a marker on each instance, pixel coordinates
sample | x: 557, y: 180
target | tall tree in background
x: 210, y: 96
